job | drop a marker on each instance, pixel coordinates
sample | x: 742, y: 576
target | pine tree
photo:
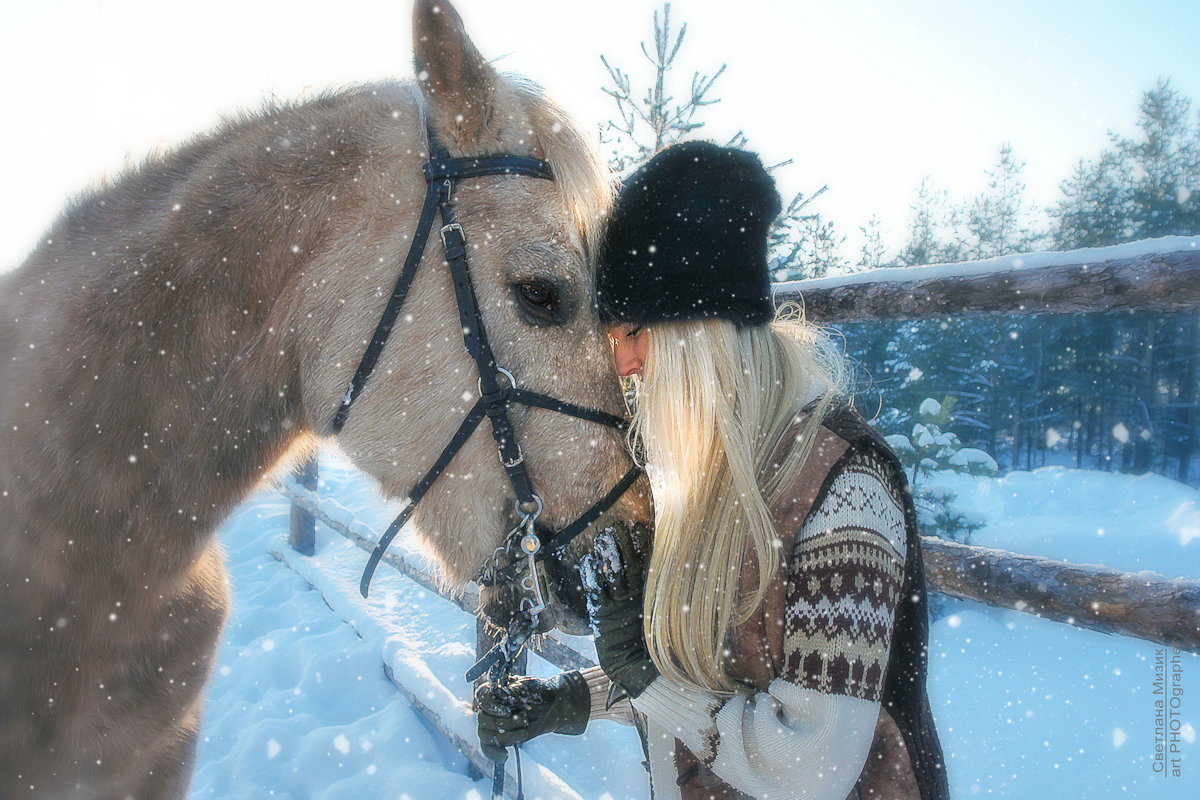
x: 788, y: 238
x: 1094, y: 210
x: 647, y: 123
x: 1139, y: 188
x: 999, y: 220
x: 1166, y: 177
x: 932, y: 449
x: 930, y: 228
x: 820, y: 254
x: 870, y: 254
x: 1129, y: 383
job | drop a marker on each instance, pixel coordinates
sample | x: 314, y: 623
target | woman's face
x: 630, y: 343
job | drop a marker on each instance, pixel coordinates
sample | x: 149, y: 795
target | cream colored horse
x: 181, y: 330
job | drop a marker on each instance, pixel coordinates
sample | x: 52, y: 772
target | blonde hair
x: 713, y: 405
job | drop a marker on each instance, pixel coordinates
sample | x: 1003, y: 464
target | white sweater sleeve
x: 809, y: 734
x: 787, y: 742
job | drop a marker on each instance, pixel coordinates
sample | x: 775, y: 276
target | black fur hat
x: 687, y: 239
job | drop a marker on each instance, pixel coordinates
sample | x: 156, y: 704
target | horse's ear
x: 457, y: 83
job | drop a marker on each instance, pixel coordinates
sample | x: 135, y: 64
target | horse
x: 192, y: 325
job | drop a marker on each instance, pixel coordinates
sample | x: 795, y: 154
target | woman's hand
x: 524, y: 707
x: 614, y: 579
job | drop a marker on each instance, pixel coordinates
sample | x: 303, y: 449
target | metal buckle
x: 453, y: 226
x: 516, y: 462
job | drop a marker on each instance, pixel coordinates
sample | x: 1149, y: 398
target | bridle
x: 525, y: 544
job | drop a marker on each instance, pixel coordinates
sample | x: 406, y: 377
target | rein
x: 525, y: 544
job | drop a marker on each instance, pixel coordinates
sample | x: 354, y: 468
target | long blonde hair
x: 712, y: 407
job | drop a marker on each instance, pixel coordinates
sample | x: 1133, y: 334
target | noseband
x: 497, y: 386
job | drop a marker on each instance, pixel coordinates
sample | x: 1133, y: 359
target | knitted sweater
x: 807, y: 725
x: 808, y: 734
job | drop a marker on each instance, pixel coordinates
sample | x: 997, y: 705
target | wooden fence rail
x: 547, y: 647
x: 1155, y: 275
x: 1142, y: 605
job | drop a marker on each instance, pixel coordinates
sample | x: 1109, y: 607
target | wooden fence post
x: 303, y: 534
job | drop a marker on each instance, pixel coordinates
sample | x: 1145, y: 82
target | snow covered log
x: 1144, y: 605
x: 1141, y: 604
x: 556, y: 652
x: 1155, y: 274
x: 434, y: 688
x: 469, y: 600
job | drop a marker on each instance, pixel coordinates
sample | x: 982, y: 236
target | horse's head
x: 529, y: 243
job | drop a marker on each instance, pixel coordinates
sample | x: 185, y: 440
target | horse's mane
x: 582, y: 180
x: 164, y: 167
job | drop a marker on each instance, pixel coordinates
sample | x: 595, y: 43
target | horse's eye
x: 541, y: 302
x: 538, y: 294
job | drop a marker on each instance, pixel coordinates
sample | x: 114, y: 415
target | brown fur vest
x: 905, y: 761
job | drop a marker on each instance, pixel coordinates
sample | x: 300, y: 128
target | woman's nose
x: 627, y: 361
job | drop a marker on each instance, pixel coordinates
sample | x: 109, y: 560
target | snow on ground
x: 299, y: 705
x: 1127, y: 522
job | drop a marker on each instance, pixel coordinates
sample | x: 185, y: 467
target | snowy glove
x: 614, y: 578
x: 523, y: 708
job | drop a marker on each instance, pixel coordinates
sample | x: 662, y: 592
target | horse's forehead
x: 530, y: 222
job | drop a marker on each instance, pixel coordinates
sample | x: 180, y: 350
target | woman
x: 774, y: 641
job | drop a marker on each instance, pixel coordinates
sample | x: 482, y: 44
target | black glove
x: 525, y: 707
x: 614, y: 578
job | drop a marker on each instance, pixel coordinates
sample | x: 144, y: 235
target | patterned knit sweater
x: 808, y: 734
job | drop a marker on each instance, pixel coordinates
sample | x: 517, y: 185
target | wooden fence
x: 1154, y: 275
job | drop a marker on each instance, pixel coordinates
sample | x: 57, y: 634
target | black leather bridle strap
x: 367, y: 364
x: 476, y: 342
x: 553, y: 540
x: 441, y: 171
x: 497, y: 387
x: 465, y: 429
x: 528, y: 398
x: 577, y: 527
x: 441, y: 166
x: 438, y: 169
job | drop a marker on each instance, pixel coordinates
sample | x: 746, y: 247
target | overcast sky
x: 866, y: 97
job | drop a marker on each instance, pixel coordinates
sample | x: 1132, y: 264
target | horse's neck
x: 147, y: 402
x: 236, y: 391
